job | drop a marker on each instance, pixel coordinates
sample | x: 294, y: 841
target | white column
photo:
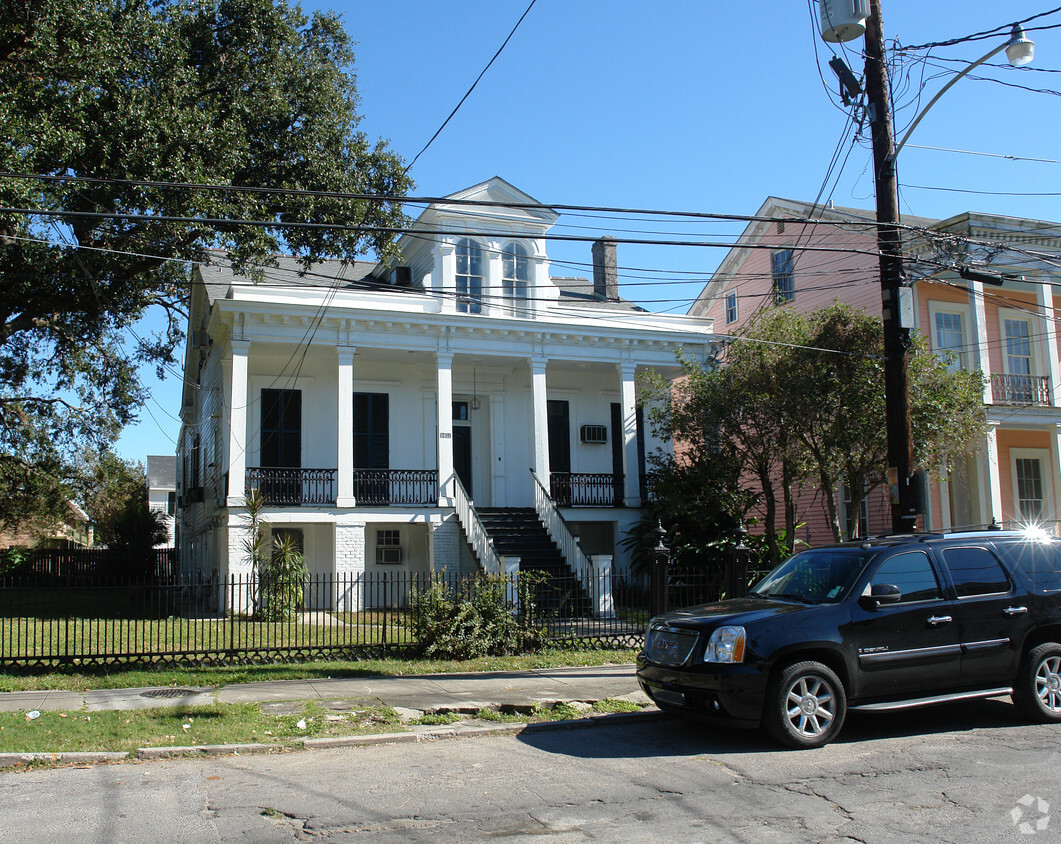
x: 540, y: 419
x: 444, y: 277
x: 990, y: 484
x: 631, y: 474
x: 978, y: 333
x: 444, y: 410
x: 603, y: 601
x: 237, y: 431
x: 494, y: 301
x: 1044, y: 295
x: 344, y: 420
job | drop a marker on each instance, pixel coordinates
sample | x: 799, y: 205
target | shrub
x: 475, y: 617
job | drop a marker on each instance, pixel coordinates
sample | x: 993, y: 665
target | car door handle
x: 939, y: 619
x: 1015, y: 610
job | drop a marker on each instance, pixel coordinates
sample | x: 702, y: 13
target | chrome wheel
x: 1048, y: 683
x: 811, y: 706
x: 806, y: 705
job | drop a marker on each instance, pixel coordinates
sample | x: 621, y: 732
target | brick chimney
x: 605, y: 269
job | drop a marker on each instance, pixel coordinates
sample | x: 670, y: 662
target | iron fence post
x: 659, y: 566
x: 737, y: 564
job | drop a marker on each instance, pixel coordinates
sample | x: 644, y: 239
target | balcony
x: 1020, y: 389
x: 396, y: 486
x: 582, y: 489
x: 317, y: 487
x: 293, y: 487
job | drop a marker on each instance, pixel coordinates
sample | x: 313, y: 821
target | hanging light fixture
x: 475, y: 396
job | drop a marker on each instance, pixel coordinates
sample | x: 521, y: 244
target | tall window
x: 781, y: 276
x: 515, y: 277
x: 950, y: 338
x: 1018, y: 347
x: 371, y: 431
x: 1030, y: 499
x: 731, y: 307
x: 469, y: 277
x: 281, y: 428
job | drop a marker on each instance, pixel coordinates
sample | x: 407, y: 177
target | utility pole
x: 893, y: 292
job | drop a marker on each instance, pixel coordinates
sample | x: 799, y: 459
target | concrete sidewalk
x: 429, y: 692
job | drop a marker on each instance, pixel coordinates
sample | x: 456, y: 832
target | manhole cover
x: 169, y: 693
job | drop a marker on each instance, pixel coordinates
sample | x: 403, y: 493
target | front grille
x: 669, y: 645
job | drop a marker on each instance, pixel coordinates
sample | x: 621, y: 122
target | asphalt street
x: 964, y: 773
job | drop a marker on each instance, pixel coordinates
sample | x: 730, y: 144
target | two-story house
x: 396, y: 417
x: 1008, y: 331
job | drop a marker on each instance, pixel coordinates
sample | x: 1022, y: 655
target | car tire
x: 805, y: 705
x: 1037, y: 692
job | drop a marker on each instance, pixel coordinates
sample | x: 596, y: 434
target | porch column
x: 540, y: 419
x: 444, y: 411
x: 494, y: 300
x: 631, y: 473
x: 345, y: 423
x: 1044, y: 295
x: 991, y: 497
x: 978, y: 333
x: 237, y: 431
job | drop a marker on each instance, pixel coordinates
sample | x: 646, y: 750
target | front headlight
x: 725, y: 645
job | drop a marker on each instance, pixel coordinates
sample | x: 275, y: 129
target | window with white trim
x: 948, y: 338
x: 469, y: 277
x: 515, y: 278
x: 782, y: 286
x: 731, y: 307
x: 1029, y: 482
x: 1017, y: 334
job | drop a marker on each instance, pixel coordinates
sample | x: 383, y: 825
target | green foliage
x: 109, y: 487
x: 195, y: 92
x: 10, y: 560
x: 135, y: 532
x: 799, y: 402
x: 282, y: 582
x: 474, y: 618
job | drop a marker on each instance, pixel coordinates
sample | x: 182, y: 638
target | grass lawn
x: 244, y: 723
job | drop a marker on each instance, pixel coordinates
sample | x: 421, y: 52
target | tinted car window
x: 912, y: 573
x: 975, y: 571
x: 1039, y: 561
x: 817, y: 575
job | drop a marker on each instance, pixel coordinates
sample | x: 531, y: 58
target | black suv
x: 882, y: 624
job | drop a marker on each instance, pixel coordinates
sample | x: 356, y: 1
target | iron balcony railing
x: 584, y: 489
x: 396, y: 486
x: 1020, y: 389
x: 293, y: 487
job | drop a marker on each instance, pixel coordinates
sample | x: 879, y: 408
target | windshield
x: 820, y: 575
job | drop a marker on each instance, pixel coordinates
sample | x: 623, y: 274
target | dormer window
x: 515, y: 278
x: 469, y: 277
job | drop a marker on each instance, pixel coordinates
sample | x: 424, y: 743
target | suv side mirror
x: 879, y: 594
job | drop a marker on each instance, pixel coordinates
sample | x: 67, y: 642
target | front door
x: 281, y: 445
x: 372, y: 448
x: 559, y: 451
x: 462, y: 456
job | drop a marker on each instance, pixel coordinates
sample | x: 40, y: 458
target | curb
x: 13, y: 760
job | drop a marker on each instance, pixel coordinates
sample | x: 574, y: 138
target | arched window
x: 515, y: 276
x: 469, y: 277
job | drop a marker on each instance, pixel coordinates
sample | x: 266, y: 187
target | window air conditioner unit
x: 594, y: 434
x: 388, y: 556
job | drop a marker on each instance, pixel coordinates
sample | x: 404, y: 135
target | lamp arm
x: 940, y: 93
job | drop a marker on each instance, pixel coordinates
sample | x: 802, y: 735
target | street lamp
x: 896, y: 299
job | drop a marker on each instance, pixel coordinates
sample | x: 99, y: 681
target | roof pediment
x: 501, y: 202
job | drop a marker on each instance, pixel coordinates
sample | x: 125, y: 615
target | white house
x: 162, y: 490
x: 395, y: 415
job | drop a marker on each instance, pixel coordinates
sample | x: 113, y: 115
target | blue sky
x: 697, y: 106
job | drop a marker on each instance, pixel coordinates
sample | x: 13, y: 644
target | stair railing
x: 474, y: 530
x: 561, y: 534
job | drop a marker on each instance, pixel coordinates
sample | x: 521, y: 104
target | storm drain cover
x: 169, y: 693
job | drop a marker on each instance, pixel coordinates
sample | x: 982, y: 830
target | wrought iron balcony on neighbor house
x: 1020, y: 389
x: 583, y: 489
x: 317, y: 487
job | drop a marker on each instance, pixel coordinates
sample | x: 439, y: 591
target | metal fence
x: 49, y: 619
